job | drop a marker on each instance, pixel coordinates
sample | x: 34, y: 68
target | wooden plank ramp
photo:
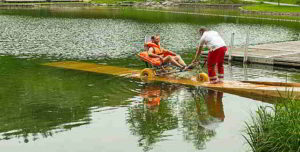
x: 249, y: 89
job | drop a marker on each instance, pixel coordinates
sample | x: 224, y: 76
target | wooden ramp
x: 250, y: 89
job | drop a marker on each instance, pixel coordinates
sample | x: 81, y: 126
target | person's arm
x: 199, y: 49
x: 166, y: 50
x: 198, y: 53
x: 169, y: 52
x: 153, y: 55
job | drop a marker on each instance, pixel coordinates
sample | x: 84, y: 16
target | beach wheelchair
x: 155, y: 67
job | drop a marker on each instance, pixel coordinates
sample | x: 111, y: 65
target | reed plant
x: 276, y: 128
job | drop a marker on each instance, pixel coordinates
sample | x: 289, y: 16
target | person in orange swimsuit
x: 166, y: 56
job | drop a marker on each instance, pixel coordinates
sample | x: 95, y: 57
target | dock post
x: 245, y: 68
x: 230, y: 48
x: 246, y: 48
x: 229, y: 67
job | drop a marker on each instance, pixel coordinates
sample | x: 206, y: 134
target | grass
x: 272, y: 8
x: 275, y: 129
x: 284, y: 1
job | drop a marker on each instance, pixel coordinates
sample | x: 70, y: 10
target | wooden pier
x: 277, y: 54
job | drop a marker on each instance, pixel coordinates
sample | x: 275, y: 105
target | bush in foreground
x: 275, y: 129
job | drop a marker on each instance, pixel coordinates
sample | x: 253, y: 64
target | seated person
x: 164, y: 55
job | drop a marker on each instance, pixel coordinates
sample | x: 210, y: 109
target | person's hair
x: 202, y: 30
x: 154, y: 36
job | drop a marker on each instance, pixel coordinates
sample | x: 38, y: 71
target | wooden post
x: 245, y: 67
x: 246, y: 48
x: 230, y: 70
x: 230, y: 48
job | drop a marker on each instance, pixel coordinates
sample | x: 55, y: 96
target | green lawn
x: 272, y: 8
x: 285, y: 1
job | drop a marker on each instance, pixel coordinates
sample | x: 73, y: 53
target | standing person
x: 217, y: 49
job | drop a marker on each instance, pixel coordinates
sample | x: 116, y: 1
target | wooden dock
x: 277, y: 54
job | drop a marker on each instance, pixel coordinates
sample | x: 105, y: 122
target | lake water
x: 50, y: 109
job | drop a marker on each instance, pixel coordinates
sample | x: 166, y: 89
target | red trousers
x: 214, y: 104
x: 214, y: 58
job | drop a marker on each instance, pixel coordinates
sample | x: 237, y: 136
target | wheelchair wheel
x: 147, y: 73
x: 202, y: 77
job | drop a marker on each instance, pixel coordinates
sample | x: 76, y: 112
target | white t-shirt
x: 212, y: 40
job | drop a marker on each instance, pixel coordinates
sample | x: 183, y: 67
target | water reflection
x: 215, y: 105
x: 212, y: 105
x: 37, y: 101
x: 153, y: 117
x: 163, y: 109
x: 202, y: 116
x: 153, y: 94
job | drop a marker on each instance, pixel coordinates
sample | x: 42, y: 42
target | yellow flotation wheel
x: 147, y: 73
x: 202, y: 77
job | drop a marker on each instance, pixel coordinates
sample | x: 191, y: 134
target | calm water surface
x: 49, y: 109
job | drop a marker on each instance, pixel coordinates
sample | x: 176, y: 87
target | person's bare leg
x: 173, y: 61
x: 179, y: 60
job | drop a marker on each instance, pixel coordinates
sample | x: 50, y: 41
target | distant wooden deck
x: 278, y: 54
